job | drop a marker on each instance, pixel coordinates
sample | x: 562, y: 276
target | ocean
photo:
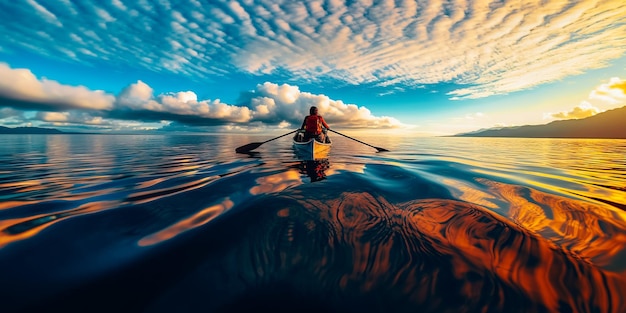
x: 182, y: 223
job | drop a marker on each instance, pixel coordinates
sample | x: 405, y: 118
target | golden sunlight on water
x: 591, y: 232
x: 487, y: 260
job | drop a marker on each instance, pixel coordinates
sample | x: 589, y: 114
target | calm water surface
x: 183, y: 224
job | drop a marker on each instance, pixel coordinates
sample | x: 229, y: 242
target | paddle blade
x: 381, y: 149
x: 249, y: 147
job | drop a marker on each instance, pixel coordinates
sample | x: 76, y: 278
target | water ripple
x: 182, y: 223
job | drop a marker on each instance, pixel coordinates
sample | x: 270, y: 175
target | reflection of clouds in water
x: 198, y: 219
x: 17, y: 229
x: 276, y: 182
x: 464, y: 191
x: 359, y: 250
x: 347, y: 167
x: 594, y: 233
x: 12, y: 204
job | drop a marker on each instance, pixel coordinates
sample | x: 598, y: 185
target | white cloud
x: 139, y: 97
x: 493, y: 47
x: 276, y: 103
x: 72, y: 117
x: 119, y: 5
x: 269, y: 104
x: 55, y: 117
x: 22, y: 86
x: 44, y: 13
x: 613, y: 92
x: 473, y: 116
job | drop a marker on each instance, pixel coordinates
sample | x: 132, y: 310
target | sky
x: 426, y: 67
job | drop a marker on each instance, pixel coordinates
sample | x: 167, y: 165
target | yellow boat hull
x: 312, y: 149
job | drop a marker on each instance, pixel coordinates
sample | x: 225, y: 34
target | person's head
x: 313, y: 110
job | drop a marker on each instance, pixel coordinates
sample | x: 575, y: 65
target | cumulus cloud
x: 138, y: 102
x: 25, y: 91
x: 73, y: 117
x: 613, y: 92
x: 273, y: 103
x: 269, y: 104
x: 619, y: 85
x: 583, y: 110
x: 492, y: 47
x: 606, y: 96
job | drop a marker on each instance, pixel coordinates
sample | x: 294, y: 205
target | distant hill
x: 30, y: 130
x: 610, y: 124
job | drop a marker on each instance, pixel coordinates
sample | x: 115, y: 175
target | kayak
x: 311, y: 149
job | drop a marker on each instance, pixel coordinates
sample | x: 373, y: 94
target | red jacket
x: 313, y: 124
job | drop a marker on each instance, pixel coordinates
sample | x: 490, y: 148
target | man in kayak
x: 312, y: 125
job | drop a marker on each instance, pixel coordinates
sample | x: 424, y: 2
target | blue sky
x: 428, y: 67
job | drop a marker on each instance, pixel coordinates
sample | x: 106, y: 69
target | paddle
x: 377, y: 148
x: 253, y: 145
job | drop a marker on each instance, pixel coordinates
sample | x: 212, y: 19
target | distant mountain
x: 30, y: 130
x: 610, y: 124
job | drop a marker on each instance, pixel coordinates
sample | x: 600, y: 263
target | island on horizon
x: 610, y: 124
x: 27, y: 130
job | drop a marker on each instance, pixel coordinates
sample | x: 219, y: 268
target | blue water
x: 182, y: 223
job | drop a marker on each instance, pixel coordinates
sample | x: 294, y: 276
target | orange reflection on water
x: 150, y: 183
x: 538, y: 267
x: 276, y: 182
x: 12, y: 230
x: 407, y: 246
x: 7, y: 236
x: 593, y: 232
x: 469, y: 194
x: 200, y: 218
x: 13, y: 204
x: 181, y: 164
x: 183, y: 169
x: 349, y: 167
x: 22, y: 184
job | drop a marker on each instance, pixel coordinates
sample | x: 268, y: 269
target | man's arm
x: 324, y: 123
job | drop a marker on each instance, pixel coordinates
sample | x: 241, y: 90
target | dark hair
x: 312, y: 110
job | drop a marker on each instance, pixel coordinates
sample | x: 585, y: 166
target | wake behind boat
x: 311, y: 149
